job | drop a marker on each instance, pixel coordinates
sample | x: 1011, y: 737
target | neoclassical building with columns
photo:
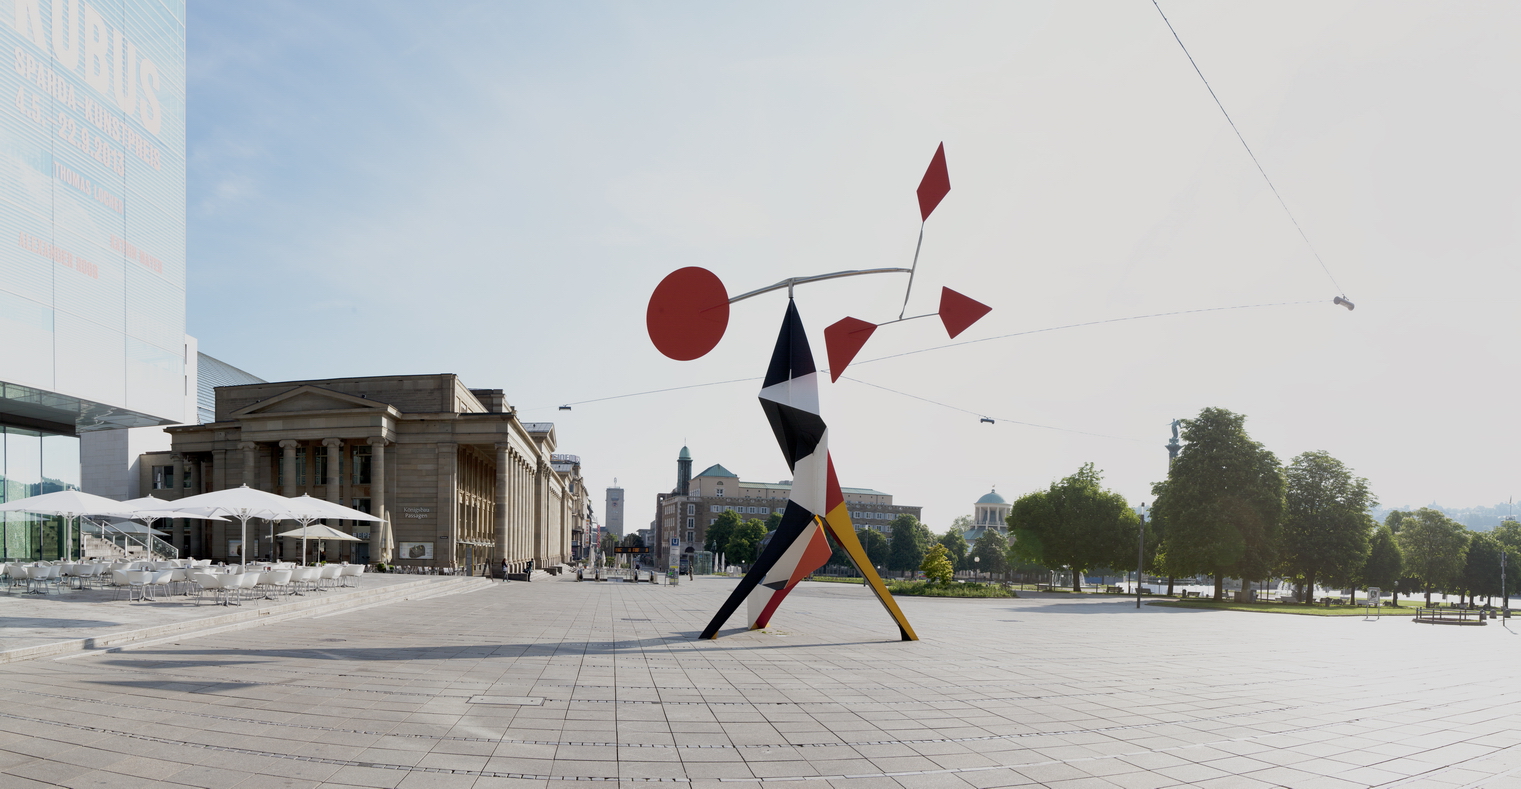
x: 459, y: 478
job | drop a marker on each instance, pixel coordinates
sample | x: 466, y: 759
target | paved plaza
x: 528, y: 685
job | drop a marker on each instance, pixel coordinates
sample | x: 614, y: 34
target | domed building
x: 989, y: 512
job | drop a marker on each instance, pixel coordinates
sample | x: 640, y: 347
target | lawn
x: 927, y: 589
x: 1288, y: 608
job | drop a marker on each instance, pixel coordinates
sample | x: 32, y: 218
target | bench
x: 1187, y: 594
x: 1113, y: 590
x: 1455, y: 616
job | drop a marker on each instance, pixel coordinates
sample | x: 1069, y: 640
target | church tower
x: 684, y: 472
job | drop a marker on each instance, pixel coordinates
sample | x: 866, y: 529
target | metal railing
x: 157, y: 548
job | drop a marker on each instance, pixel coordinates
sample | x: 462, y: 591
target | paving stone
x: 379, y: 697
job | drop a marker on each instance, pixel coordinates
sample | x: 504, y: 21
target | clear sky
x: 494, y: 189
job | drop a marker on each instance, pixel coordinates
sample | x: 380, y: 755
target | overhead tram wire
x: 949, y: 345
x: 1248, y: 148
x: 985, y: 415
x: 1091, y: 323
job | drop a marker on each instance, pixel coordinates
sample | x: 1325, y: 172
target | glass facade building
x: 34, y: 462
x: 92, y: 211
x: 92, y: 236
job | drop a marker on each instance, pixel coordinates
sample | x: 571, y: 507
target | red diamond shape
x: 958, y: 312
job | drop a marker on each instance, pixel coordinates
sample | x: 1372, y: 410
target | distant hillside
x: 1475, y: 518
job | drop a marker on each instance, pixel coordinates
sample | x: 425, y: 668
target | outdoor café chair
x: 247, y: 581
x: 352, y: 571
x: 14, y: 574
x: 120, y: 582
x: 203, y: 582
x: 137, y: 583
x: 160, y: 579
x: 305, y: 578
x: 277, y: 580
x: 329, y: 576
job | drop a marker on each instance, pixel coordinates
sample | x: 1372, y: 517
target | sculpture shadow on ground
x: 385, y: 654
x: 36, y: 622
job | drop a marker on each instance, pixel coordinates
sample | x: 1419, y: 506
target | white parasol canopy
x: 71, y: 504
x: 305, y: 510
x: 241, y: 504
x: 319, y: 531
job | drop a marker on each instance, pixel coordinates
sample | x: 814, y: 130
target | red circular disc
x: 688, y: 313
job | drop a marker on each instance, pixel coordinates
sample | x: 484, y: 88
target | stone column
x: 250, y: 470
x: 333, y: 446
x: 446, y: 533
x: 540, y: 513
x: 288, y: 479
x: 218, y: 547
x: 288, y: 467
x: 377, y: 493
x: 177, y: 525
x: 499, y: 515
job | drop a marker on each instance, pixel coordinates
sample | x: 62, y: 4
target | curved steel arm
x: 791, y: 281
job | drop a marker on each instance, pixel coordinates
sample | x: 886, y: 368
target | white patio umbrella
x: 304, y: 510
x: 150, y: 509
x: 387, y: 542
x: 71, y: 504
x: 241, y: 504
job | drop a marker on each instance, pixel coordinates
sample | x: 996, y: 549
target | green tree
x: 936, y: 566
x: 720, y: 530
x: 1433, y: 545
x: 1222, y: 502
x: 773, y: 520
x: 744, y: 542
x: 955, y: 547
x: 1385, y: 565
x: 607, y: 544
x: 1076, y: 524
x: 632, y: 540
x: 1324, y: 536
x: 1481, y: 568
x: 990, y: 554
x: 906, y: 547
x: 874, y: 544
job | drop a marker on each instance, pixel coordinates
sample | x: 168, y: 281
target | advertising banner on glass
x: 92, y: 201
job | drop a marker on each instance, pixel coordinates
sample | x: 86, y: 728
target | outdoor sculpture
x: 686, y: 318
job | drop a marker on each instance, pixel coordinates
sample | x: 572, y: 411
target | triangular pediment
x: 308, y: 398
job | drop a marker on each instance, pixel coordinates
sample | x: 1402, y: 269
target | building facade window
x: 163, y: 477
x: 691, y: 509
x: 360, y: 465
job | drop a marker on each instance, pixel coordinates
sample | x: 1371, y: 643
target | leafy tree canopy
x: 875, y: 546
x: 744, y: 542
x: 1324, y: 535
x: 990, y: 554
x: 720, y: 531
x: 956, y: 547
x: 1075, y: 523
x: 909, y: 540
x: 773, y: 520
x: 1434, y: 546
x: 1385, y: 564
x: 1222, y: 501
x: 936, y: 566
x: 1481, y: 566
x: 632, y: 540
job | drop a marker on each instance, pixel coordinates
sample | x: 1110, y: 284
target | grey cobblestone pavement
x: 536, y: 685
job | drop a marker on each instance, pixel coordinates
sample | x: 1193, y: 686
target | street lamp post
x: 1504, y: 598
x: 1140, y: 555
